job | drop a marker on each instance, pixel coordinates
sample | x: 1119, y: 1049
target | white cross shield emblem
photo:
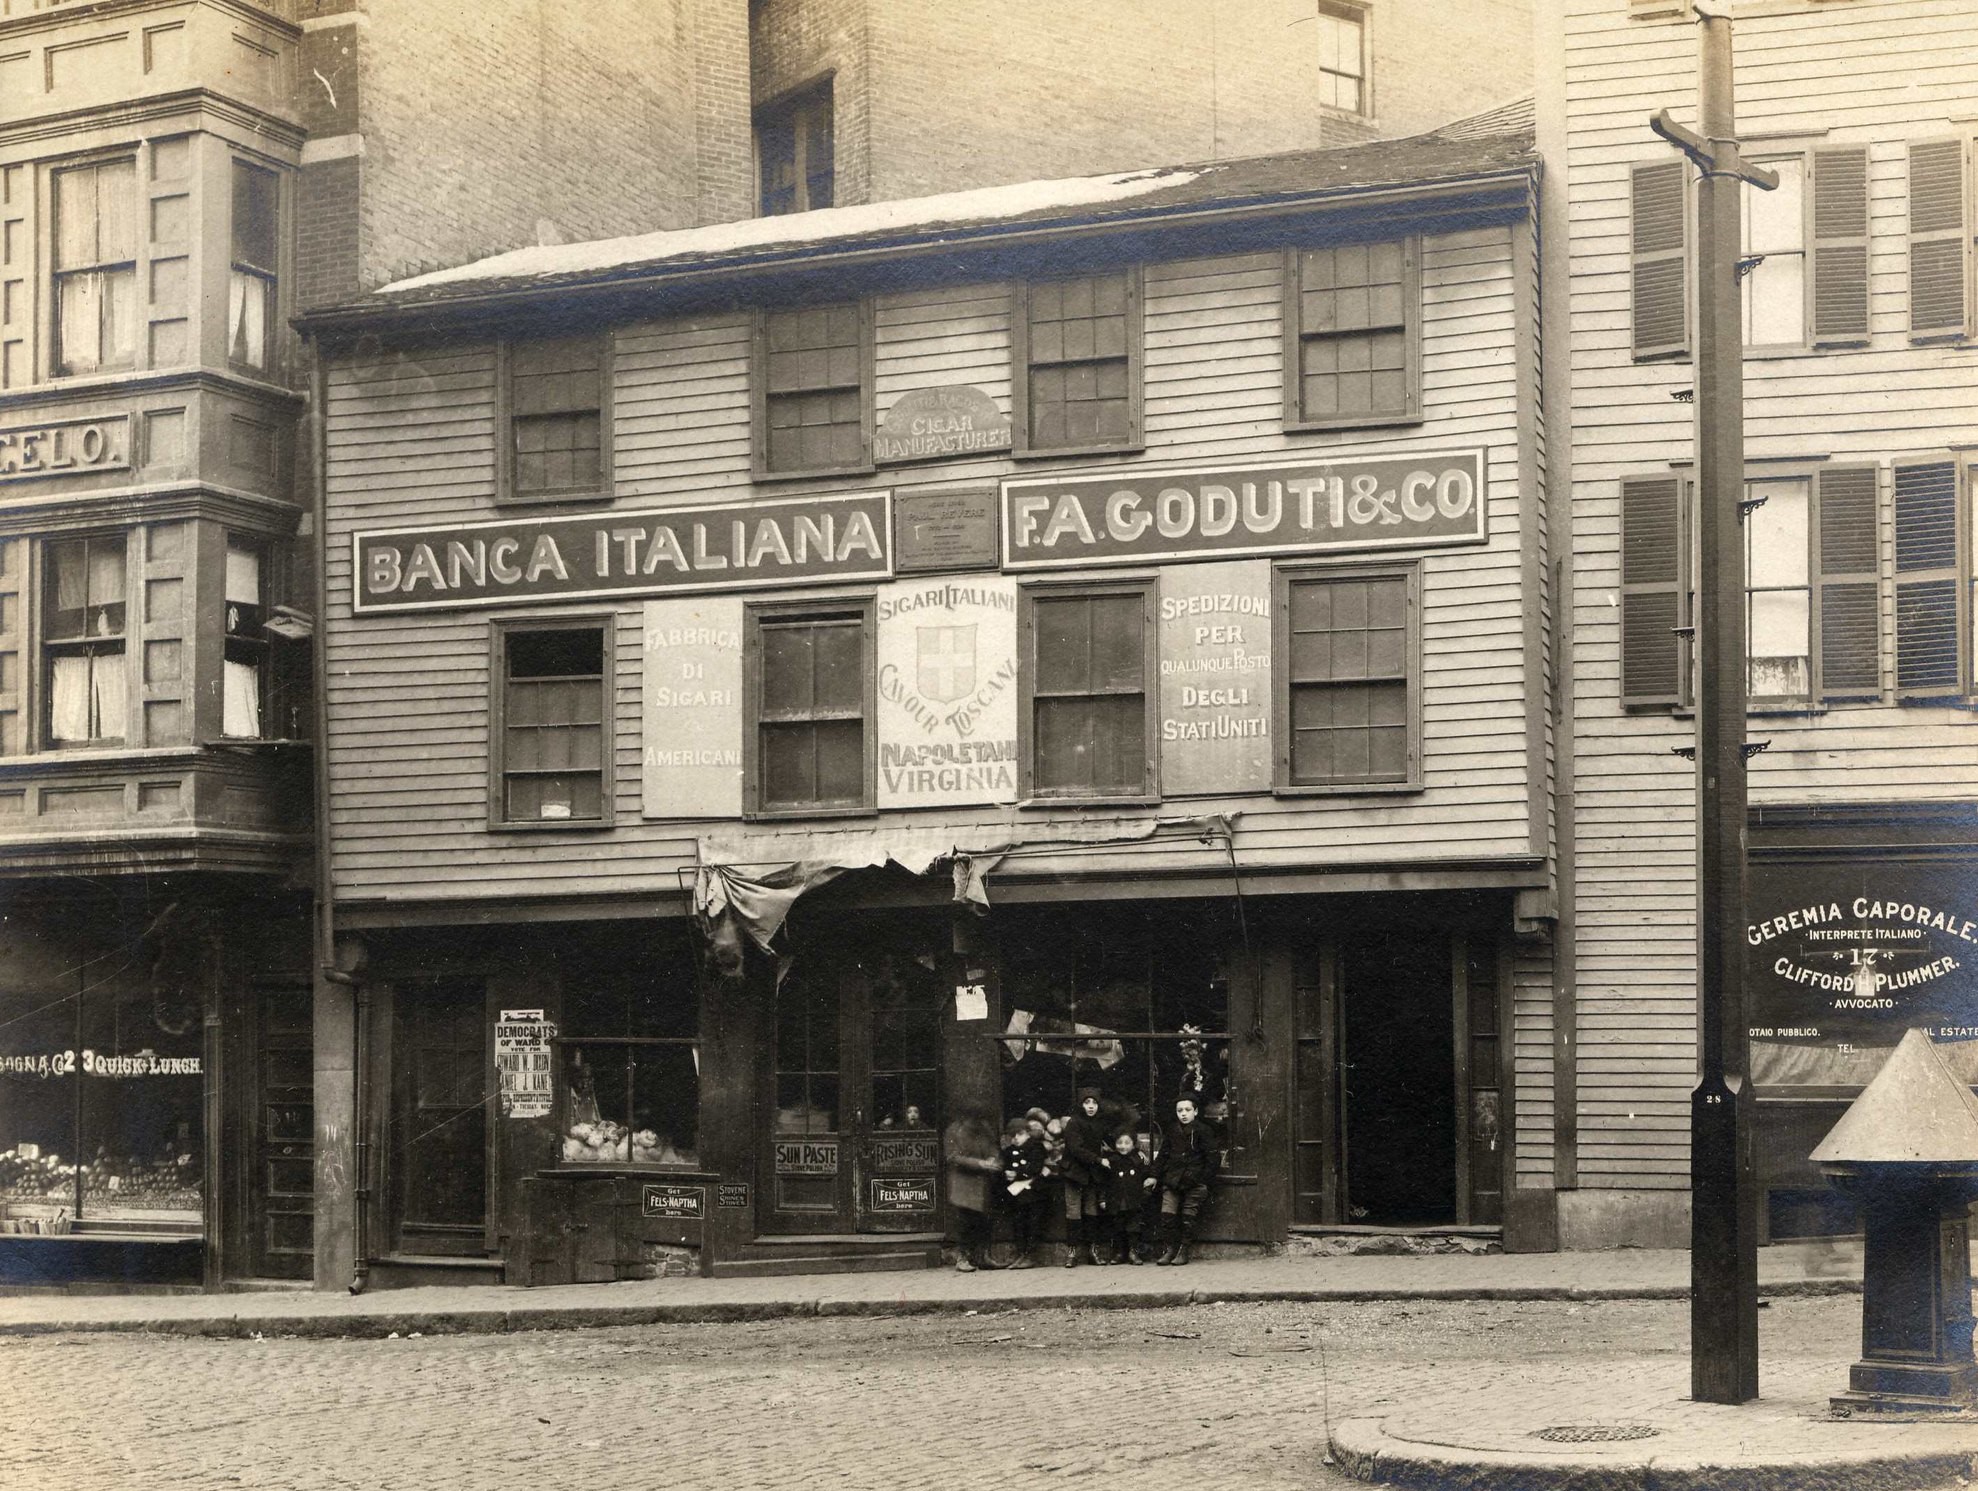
x: 947, y: 662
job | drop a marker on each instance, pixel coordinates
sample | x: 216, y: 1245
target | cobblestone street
x: 1229, y: 1395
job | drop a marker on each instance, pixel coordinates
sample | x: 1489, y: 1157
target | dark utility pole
x: 1723, y: 1180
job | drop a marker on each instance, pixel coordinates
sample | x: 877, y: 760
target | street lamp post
x: 1723, y: 1179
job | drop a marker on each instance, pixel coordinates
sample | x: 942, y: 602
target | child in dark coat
x: 1129, y: 1182
x: 1082, y: 1163
x: 1024, y: 1169
x: 1190, y: 1154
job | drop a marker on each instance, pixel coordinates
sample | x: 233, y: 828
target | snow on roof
x: 986, y: 203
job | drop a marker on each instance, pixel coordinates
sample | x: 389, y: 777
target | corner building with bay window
x: 790, y: 688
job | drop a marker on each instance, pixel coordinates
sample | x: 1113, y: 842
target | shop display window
x: 629, y: 1055
x: 1136, y: 1005
x: 101, y: 1107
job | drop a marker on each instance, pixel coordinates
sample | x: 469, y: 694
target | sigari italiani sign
x: 1226, y: 511
x: 734, y: 546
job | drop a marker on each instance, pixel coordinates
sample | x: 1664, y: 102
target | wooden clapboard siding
x: 1874, y: 76
x: 413, y: 440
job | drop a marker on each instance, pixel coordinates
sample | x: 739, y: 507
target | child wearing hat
x: 1083, y: 1166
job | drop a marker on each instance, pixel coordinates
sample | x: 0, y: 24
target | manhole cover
x: 1595, y: 1433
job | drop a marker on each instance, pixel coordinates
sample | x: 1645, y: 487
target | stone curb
x: 1364, y: 1450
x: 378, y: 1323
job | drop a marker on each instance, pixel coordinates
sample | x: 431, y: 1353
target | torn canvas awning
x: 737, y: 898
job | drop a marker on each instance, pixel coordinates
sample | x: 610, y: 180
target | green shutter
x: 1850, y: 595
x: 1659, y: 237
x: 1652, y: 552
x: 1937, y: 239
x: 1929, y: 641
x: 1840, y: 245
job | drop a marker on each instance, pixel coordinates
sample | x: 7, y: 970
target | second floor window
x: 1081, y: 355
x: 245, y: 662
x: 1087, y: 662
x: 96, y: 304
x: 809, y: 702
x: 1352, y: 336
x: 552, y: 759
x: 1351, y: 675
x: 251, y: 313
x: 796, y: 159
x: 83, y: 620
x: 556, y: 418
x: 811, y: 372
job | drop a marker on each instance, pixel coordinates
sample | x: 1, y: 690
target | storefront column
x: 336, y: 1132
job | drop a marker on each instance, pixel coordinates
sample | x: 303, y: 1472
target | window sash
x: 796, y: 155
x: 95, y: 267
x: 556, y: 400
x: 810, y: 697
x: 812, y: 382
x: 1080, y: 351
x: 1342, y: 58
x: 1351, y: 663
x: 1352, y: 335
x: 1088, y: 657
x: 553, y: 749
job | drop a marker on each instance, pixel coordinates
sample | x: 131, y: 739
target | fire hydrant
x: 1907, y: 1150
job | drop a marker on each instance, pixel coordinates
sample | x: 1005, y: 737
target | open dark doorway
x: 1398, y: 1070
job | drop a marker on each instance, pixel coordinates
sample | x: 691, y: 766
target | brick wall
x: 488, y: 126
x: 326, y: 246
x: 968, y: 96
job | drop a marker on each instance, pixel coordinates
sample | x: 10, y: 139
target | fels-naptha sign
x: 734, y: 546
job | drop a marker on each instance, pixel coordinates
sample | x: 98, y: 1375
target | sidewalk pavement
x: 1550, y: 1421
x: 1786, y: 1269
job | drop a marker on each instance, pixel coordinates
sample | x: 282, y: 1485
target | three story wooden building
x: 793, y: 684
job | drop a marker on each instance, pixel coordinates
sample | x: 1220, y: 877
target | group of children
x: 1113, y: 1194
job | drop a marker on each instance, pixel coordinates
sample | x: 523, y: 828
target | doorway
x: 851, y: 1087
x: 282, y: 1204
x: 440, y: 1079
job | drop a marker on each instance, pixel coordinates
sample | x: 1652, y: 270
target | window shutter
x: 1936, y: 239
x: 1652, y: 552
x: 1850, y: 598
x: 1840, y: 245
x: 1660, y: 240
x: 1928, y: 661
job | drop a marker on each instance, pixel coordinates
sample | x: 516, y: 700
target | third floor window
x: 96, y: 311
x: 795, y: 154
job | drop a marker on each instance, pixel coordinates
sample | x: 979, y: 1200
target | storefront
x: 155, y: 1114
x: 1848, y: 947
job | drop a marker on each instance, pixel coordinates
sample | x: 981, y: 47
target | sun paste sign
x: 734, y: 546
x: 947, y: 692
x: 1215, y: 622
x: 1275, y: 507
x: 691, y: 707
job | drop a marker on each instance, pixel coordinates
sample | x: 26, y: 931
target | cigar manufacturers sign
x: 1215, y: 512
x: 735, y: 546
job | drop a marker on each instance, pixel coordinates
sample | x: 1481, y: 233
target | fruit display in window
x: 167, y: 1182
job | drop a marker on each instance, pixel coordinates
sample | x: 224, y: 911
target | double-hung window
x: 1079, y: 355
x: 796, y: 160
x: 1348, y: 710
x: 809, y: 684
x: 556, y: 402
x: 1087, y: 663
x: 245, y: 661
x: 251, y: 283
x: 95, y: 267
x: 813, y: 383
x: 1342, y: 57
x: 552, y: 765
x: 1812, y: 591
x: 1352, y: 335
x: 87, y: 680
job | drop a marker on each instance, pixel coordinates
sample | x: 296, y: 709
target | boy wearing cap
x: 1083, y: 1166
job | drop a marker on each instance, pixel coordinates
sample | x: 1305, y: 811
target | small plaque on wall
x: 679, y: 1203
x: 732, y: 1197
x: 944, y: 531
x: 902, y: 1195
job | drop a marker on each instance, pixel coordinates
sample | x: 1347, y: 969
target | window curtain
x: 247, y: 319
x: 241, y: 712
x: 86, y: 698
x: 244, y: 576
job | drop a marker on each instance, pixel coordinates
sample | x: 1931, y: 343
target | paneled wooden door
x: 281, y: 1224
x: 440, y: 1077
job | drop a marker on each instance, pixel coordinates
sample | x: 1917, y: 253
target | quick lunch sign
x: 1228, y: 511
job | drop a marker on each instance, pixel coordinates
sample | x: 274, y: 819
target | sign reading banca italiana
x: 734, y: 546
x: 1282, y: 506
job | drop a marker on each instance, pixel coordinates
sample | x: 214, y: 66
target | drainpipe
x: 326, y: 966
